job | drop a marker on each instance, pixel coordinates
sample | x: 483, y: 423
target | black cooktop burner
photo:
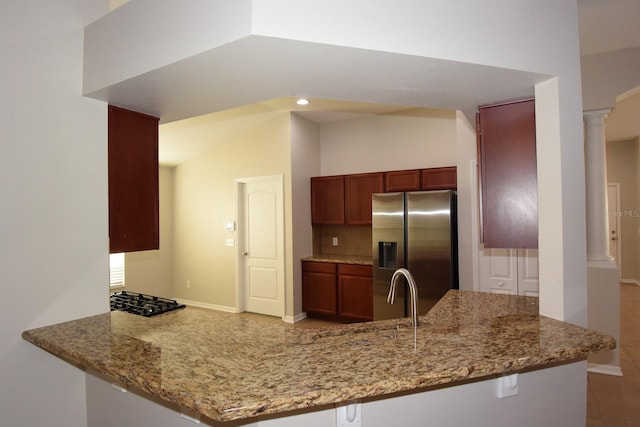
x: 141, y: 304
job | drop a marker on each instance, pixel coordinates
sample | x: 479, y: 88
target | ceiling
x: 605, y: 25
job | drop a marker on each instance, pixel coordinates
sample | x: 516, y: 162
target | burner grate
x: 142, y: 304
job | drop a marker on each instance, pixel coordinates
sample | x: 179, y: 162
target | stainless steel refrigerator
x: 418, y: 231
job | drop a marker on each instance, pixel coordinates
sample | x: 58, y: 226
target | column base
x: 604, y: 262
x: 603, y: 311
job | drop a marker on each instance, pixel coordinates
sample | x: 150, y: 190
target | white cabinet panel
x: 508, y: 271
x: 498, y: 270
x: 528, y: 272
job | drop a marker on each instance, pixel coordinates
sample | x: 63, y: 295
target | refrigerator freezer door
x: 429, y: 244
x: 387, y: 235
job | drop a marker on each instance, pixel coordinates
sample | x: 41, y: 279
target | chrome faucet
x: 412, y: 289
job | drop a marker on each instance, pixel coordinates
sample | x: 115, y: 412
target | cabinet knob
x: 501, y: 284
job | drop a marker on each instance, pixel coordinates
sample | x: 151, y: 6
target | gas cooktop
x: 141, y: 304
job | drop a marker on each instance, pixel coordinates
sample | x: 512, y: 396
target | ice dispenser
x: 388, y: 253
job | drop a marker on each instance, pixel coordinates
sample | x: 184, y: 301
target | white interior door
x: 613, y: 202
x: 261, y: 240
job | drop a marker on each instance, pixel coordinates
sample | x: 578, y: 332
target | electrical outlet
x: 335, y: 241
x: 188, y: 284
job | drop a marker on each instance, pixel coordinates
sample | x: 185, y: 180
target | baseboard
x: 224, y: 308
x: 597, y: 368
x: 294, y: 319
x: 630, y: 281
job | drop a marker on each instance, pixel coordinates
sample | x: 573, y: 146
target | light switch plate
x: 229, y: 226
x: 349, y: 415
x: 507, y: 386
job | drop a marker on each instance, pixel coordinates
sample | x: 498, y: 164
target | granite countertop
x: 228, y: 367
x: 340, y: 259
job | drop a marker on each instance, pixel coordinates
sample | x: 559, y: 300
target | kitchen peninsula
x: 225, y: 367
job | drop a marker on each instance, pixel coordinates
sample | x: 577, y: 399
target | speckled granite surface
x: 340, y: 259
x: 227, y: 367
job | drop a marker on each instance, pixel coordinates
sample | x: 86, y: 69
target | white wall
x: 143, y: 50
x: 53, y: 233
x: 548, y: 397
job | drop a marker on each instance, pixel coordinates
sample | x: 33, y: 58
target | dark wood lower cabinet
x: 319, y: 288
x: 355, y: 291
x: 342, y: 292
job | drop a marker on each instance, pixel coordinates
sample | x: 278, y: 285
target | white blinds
x: 116, y: 269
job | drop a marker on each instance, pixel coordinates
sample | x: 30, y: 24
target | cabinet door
x: 359, y: 189
x: 408, y: 180
x: 319, y: 287
x: 355, y: 297
x: 498, y: 270
x: 319, y: 293
x: 133, y: 181
x: 327, y: 200
x: 528, y: 274
x: 439, y: 178
x: 508, y: 175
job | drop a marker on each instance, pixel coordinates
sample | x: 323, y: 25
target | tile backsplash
x: 353, y: 240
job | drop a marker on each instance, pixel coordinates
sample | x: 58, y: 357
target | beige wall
x: 202, y: 192
x: 467, y: 211
x: 205, y: 198
x: 151, y: 272
x: 305, y: 163
x: 622, y: 167
x: 418, y: 138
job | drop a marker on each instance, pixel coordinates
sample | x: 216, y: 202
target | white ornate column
x: 603, y: 278
x: 596, y: 187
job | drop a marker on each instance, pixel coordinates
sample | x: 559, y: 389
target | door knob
x: 245, y: 253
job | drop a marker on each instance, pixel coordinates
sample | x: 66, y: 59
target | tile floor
x: 611, y: 401
x: 615, y: 401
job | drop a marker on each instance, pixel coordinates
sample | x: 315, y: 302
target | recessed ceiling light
x: 302, y: 101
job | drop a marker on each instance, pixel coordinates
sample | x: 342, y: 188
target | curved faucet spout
x: 412, y: 289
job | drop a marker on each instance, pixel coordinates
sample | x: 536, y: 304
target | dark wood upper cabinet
x: 405, y: 180
x: 508, y: 174
x: 133, y: 181
x: 327, y: 200
x: 440, y: 178
x: 359, y: 188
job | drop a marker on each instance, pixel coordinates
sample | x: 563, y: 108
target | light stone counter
x: 340, y: 259
x: 226, y: 367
